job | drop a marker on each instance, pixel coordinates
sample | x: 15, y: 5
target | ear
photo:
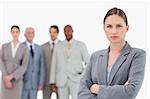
x: 127, y: 28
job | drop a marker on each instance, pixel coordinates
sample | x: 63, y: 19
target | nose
x: 114, y: 30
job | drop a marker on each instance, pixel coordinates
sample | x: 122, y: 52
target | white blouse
x: 14, y: 48
x: 108, y: 73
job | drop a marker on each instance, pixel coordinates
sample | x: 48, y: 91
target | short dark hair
x: 68, y: 25
x: 116, y: 11
x: 55, y: 27
x: 15, y: 26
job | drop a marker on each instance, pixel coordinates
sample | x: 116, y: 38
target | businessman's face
x: 68, y: 33
x: 115, y: 29
x: 53, y: 33
x: 29, y: 34
x: 15, y: 33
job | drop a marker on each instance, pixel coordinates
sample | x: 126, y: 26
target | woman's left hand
x: 95, y: 88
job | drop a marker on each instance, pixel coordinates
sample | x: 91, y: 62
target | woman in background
x: 116, y: 72
x: 14, y: 60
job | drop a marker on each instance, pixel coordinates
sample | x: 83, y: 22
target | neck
x: 116, y: 47
x: 15, y: 41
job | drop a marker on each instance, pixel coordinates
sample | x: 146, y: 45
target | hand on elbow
x: 95, y: 88
x: 126, y: 83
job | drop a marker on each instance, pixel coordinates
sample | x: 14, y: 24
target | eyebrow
x: 116, y: 24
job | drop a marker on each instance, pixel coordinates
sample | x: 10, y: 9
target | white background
x: 86, y: 17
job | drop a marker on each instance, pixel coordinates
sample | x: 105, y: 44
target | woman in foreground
x: 116, y: 72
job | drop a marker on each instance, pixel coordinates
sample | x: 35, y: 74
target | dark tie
x: 31, y: 51
x: 53, y: 44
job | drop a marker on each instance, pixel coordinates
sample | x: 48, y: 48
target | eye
x: 109, y: 26
x: 119, y: 26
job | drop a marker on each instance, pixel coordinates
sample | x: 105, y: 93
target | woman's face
x: 115, y: 29
x: 15, y: 33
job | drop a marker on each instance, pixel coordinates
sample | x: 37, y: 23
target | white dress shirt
x: 29, y: 44
x: 14, y: 48
x: 51, y: 42
x: 68, y: 46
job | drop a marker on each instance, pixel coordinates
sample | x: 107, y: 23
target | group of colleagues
x: 33, y: 69
x: 57, y: 66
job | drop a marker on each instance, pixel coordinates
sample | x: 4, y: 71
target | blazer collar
x: 73, y: 44
x: 124, y: 52
x: 104, y: 62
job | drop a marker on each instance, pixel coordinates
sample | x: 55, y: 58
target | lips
x: 114, y: 37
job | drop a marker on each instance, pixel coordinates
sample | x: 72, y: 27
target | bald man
x: 34, y: 76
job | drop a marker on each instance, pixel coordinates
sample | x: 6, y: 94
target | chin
x: 115, y: 41
x: 53, y: 39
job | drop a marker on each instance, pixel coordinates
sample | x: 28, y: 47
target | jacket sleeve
x: 135, y: 79
x: 3, y: 68
x: 42, y: 68
x: 85, y: 54
x: 85, y: 83
x: 18, y: 73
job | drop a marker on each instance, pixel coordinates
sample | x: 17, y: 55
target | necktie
x: 53, y: 44
x: 31, y: 51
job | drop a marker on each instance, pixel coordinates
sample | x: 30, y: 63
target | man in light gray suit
x: 34, y: 76
x: 48, y: 48
x: 67, y: 65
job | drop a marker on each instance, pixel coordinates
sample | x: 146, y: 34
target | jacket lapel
x: 72, y: 48
x: 103, y: 58
x: 120, y: 60
x: 48, y: 49
x: 64, y: 46
x: 35, y: 52
x: 10, y: 50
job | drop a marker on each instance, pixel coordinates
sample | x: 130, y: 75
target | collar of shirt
x: 28, y: 44
x: 51, y: 41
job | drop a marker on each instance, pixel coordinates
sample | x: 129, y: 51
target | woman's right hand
x: 8, y: 85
